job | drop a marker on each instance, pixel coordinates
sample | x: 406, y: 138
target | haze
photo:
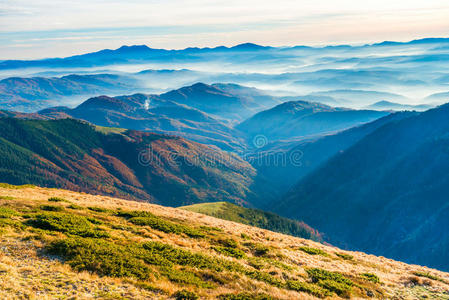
x: 43, y: 28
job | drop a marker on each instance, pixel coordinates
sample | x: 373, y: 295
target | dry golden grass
x: 26, y: 273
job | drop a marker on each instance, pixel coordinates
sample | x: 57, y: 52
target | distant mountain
x: 440, y: 97
x: 359, y: 97
x: 152, y: 113
x: 142, y: 53
x: 387, y: 105
x: 281, y: 165
x: 157, y: 168
x: 386, y: 194
x: 31, y: 94
x: 201, y: 112
x: 124, y: 55
x: 299, y: 119
x: 255, y: 217
x: 229, y: 101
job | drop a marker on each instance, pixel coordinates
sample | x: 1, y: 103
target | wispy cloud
x: 63, y: 27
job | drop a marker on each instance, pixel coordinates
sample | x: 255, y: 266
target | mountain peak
x: 249, y: 46
x: 104, y: 102
x: 133, y: 48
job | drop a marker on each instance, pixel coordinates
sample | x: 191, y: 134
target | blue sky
x: 44, y: 28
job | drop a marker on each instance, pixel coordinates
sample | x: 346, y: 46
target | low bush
x: 261, y: 250
x: 51, y: 208
x: 245, y: 236
x: 345, y: 256
x: 258, y: 249
x: 6, y: 212
x: 185, y: 295
x: 341, y: 289
x: 332, y: 281
x: 74, y: 206
x: 185, y: 277
x: 308, y: 288
x: 370, y: 277
x: 66, y: 223
x: 57, y: 199
x: 143, y: 218
x: 232, y: 252
x: 245, y: 296
x: 265, y: 277
x: 166, y: 253
x: 99, y: 256
x: 98, y: 209
x: 428, y: 275
x: 228, y: 242
x: 313, y: 251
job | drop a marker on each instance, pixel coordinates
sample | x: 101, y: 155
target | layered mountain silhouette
x: 31, y: 94
x: 284, y: 164
x: 209, y: 114
x: 386, y: 194
x: 229, y: 101
x: 387, y: 105
x: 299, y: 119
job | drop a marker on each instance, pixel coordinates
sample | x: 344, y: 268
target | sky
x: 32, y: 29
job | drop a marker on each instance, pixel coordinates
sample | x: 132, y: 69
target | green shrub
x: 341, y: 289
x: 6, y: 212
x: 95, y: 221
x: 98, y: 209
x: 332, y: 281
x: 99, y: 256
x: 308, y: 288
x: 245, y: 296
x: 258, y: 249
x: 146, y: 286
x: 184, y: 277
x: 229, y: 243
x: 256, y: 262
x: 185, y: 295
x: 165, y: 253
x: 143, y: 218
x: 74, y: 206
x: 370, y: 277
x: 66, y: 223
x: 428, y: 275
x: 245, y: 236
x: 345, y: 256
x: 265, y: 277
x: 57, y: 199
x: 51, y: 208
x: 313, y: 251
x: 232, y: 252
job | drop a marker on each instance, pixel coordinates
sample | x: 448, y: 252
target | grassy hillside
x: 56, y: 242
x: 158, y: 168
x: 255, y: 217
